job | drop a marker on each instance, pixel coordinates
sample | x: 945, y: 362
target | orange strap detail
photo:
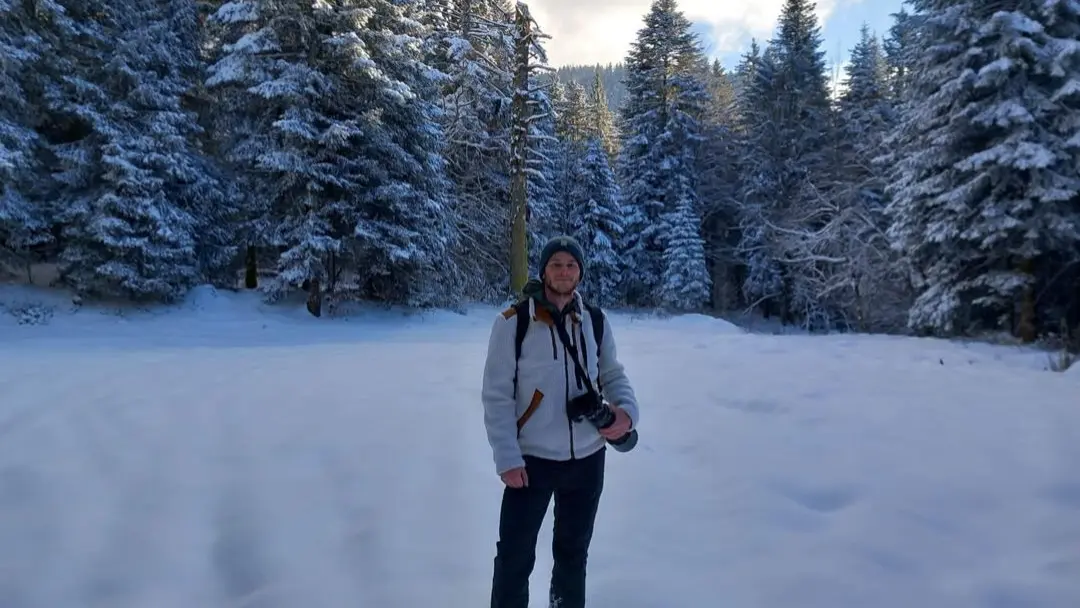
x: 535, y: 403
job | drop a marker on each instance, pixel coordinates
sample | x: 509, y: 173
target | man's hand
x: 515, y: 478
x: 620, y: 427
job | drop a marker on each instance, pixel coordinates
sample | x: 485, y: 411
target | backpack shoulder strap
x: 522, y: 312
x: 522, y: 309
x: 597, y: 317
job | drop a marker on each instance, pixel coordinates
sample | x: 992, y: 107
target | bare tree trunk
x: 251, y: 268
x: 314, y: 301
x: 519, y: 132
x: 1025, y: 326
x: 466, y: 8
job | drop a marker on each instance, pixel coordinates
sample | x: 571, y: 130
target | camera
x: 590, y: 407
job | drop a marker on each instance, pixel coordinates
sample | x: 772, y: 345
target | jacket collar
x: 543, y: 312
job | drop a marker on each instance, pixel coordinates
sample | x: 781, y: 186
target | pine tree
x: 273, y: 108
x: 128, y: 231
x: 23, y: 222
x: 601, y: 118
x: 986, y: 180
x: 718, y: 163
x: 547, y: 156
x: 598, y: 222
x: 662, y: 131
x: 404, y: 235
x: 575, y: 114
x: 789, y: 158
x: 573, y: 130
x: 867, y: 290
x: 900, y: 47
x: 476, y: 101
x: 346, y: 141
x: 686, y: 281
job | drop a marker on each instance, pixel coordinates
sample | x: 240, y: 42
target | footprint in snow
x: 824, y: 498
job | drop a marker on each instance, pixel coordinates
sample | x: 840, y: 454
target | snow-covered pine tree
x: 556, y: 218
x: 572, y: 131
x: 789, y: 147
x: 685, y: 281
x: 759, y: 172
x: 136, y: 237
x: 575, y: 118
x: 199, y: 186
x: 868, y: 291
x: 126, y: 233
x: 545, y: 160
x: 580, y: 119
x: 405, y: 231
x: 597, y: 222
x: 476, y: 100
x: 1059, y: 297
x: 900, y: 47
x: 986, y: 177
x: 23, y: 220
x: 662, y: 132
x: 346, y: 141
x: 600, y: 117
x: 275, y: 131
x: 718, y: 163
x: 68, y: 41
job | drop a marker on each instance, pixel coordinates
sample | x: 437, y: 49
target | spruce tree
x: 129, y: 231
x: 404, y: 234
x: 986, y: 179
x: 662, y: 131
x: 476, y: 100
x: 789, y: 158
x: 718, y: 166
x: 597, y: 221
x: 23, y: 220
x: 600, y: 117
x: 335, y: 110
x: 868, y: 290
x: 900, y: 47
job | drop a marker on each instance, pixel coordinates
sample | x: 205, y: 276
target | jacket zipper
x: 566, y: 378
x: 566, y: 391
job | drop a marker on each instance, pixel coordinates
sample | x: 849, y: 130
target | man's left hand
x: 620, y: 427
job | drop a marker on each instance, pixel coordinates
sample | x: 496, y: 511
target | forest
x: 419, y: 152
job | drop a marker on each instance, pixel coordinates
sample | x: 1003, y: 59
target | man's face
x: 562, y: 273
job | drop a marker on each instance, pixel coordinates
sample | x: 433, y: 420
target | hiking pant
x: 576, y: 486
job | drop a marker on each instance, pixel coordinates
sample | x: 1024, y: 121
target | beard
x: 562, y: 291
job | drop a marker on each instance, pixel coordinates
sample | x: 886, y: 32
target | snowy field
x: 225, y: 454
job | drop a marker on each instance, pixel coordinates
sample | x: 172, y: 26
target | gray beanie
x: 562, y: 243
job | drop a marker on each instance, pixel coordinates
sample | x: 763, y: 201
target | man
x: 541, y: 447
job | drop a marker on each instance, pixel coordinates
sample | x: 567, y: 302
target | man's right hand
x: 515, y: 478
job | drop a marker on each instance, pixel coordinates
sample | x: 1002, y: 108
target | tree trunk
x: 251, y: 268
x: 314, y: 301
x: 1025, y: 326
x: 519, y: 237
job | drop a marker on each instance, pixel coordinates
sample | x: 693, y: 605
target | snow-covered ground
x: 226, y: 454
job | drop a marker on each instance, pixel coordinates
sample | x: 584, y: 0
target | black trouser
x: 576, y: 486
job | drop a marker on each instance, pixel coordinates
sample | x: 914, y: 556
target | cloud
x: 600, y: 31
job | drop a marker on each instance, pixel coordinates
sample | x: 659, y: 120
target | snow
x: 222, y: 452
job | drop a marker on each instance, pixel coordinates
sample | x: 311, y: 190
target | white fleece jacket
x: 546, y: 372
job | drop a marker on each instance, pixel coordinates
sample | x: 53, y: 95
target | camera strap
x: 560, y: 327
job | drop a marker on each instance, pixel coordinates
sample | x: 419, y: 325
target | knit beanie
x: 562, y: 243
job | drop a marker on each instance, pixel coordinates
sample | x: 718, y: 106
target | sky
x: 600, y: 31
